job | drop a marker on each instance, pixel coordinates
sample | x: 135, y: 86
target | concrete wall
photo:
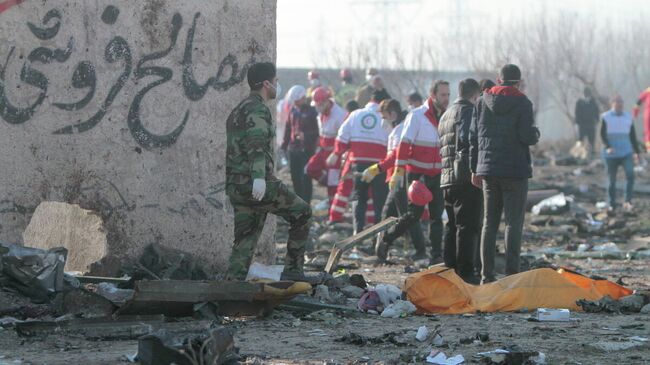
x: 120, y: 106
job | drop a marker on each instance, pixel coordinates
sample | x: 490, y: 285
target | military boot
x: 293, y: 270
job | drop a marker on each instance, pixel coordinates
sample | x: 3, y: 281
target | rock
x: 328, y: 237
x: 646, y: 309
x: 632, y: 303
x: 322, y: 293
x: 342, y: 280
x: 84, y: 304
x: 609, y: 346
x: 352, y: 291
x: 358, y: 280
x: 80, y: 231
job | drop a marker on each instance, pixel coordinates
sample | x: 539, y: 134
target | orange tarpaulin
x: 440, y: 290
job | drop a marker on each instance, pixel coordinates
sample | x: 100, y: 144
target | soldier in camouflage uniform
x: 250, y: 184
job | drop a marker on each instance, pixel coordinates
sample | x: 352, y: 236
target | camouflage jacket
x: 250, y: 135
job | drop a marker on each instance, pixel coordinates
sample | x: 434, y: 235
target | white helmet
x: 296, y: 92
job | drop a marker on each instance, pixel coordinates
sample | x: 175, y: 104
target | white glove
x: 331, y: 159
x: 259, y: 188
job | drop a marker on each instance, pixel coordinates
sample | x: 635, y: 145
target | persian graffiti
x: 117, y: 53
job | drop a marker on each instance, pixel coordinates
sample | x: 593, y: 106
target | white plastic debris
x: 423, y: 333
x: 554, y: 205
x: 398, y: 309
x: 607, y: 247
x: 602, y: 205
x: 552, y: 315
x: 438, y: 340
x: 259, y: 271
x: 439, y: 358
x: 388, y: 293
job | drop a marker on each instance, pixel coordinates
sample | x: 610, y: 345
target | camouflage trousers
x: 250, y: 216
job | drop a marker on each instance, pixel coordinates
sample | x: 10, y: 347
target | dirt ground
x: 292, y: 338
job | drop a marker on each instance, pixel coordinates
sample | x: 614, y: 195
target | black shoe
x: 313, y: 279
x: 471, y: 279
x: 419, y: 255
x: 381, y: 250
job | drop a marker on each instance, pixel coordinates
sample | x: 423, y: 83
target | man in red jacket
x: 418, y: 154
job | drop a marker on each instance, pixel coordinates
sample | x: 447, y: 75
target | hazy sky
x: 308, y: 31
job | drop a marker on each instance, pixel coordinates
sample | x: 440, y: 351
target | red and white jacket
x: 329, y: 126
x: 388, y: 163
x: 364, y: 135
x: 419, y: 147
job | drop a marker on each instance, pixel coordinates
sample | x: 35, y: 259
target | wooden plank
x: 302, y: 305
x: 101, y: 279
x: 177, y: 297
x: 348, y: 243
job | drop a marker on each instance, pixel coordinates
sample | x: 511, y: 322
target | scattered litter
x: 111, y: 292
x: 388, y: 293
x: 605, y: 305
x: 556, y: 204
x: 259, y: 271
x: 439, y: 358
x: 438, y: 340
x: 370, y: 303
x: 552, y: 315
x: 400, y: 308
x: 609, y: 346
x: 352, y: 291
x: 322, y: 293
x: 602, y: 205
x: 215, y: 347
x: 629, y: 304
x: 35, y: 273
x: 399, y: 338
x: 606, y: 247
x: 512, y: 355
x: 423, y: 333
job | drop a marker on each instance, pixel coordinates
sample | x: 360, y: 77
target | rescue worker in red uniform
x: 365, y: 136
x: 330, y: 118
x: 418, y: 155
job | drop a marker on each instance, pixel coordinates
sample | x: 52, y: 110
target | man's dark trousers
x: 463, y: 206
x: 414, y: 214
x: 507, y: 196
x: 379, y: 192
x: 396, y: 206
x: 302, y: 183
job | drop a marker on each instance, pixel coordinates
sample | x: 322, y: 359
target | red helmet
x: 319, y: 95
x: 418, y: 193
x: 313, y: 74
x: 345, y: 74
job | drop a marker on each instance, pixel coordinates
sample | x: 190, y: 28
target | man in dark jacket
x: 300, y: 139
x: 587, y: 115
x: 501, y: 134
x: 462, y: 199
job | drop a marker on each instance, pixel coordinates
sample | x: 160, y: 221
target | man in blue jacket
x: 501, y: 134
